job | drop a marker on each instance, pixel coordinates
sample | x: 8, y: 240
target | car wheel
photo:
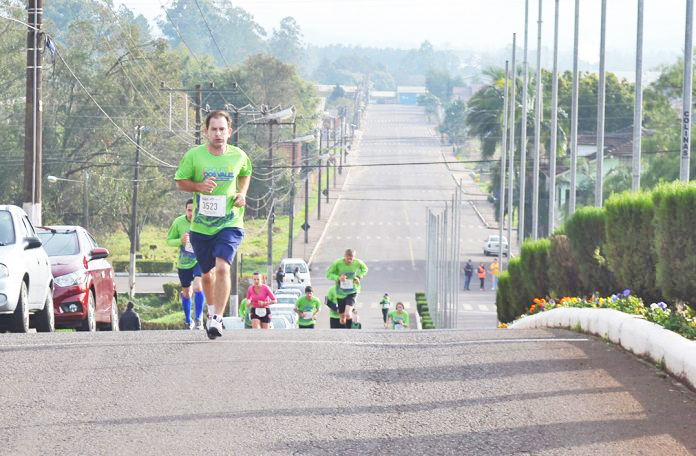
x: 45, y: 320
x: 90, y: 321
x: 20, y: 318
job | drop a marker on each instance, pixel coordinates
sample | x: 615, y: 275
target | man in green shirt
x: 330, y: 301
x: 307, y: 307
x: 189, y: 271
x: 218, y: 175
x: 385, y: 303
x: 347, y: 272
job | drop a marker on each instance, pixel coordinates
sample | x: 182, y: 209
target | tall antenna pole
x: 574, y: 117
x: 523, y: 139
x: 553, y: 150
x: 511, y: 144
x: 688, y: 82
x: 601, y: 100
x: 638, y: 108
x: 503, y: 154
x: 537, y: 134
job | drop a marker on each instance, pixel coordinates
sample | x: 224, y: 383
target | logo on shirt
x: 219, y: 174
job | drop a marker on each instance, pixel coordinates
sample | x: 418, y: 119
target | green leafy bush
x: 518, y: 297
x: 563, y: 272
x: 586, y: 231
x: 172, y: 291
x: 675, y: 240
x: 145, y: 266
x: 535, y: 267
x: 630, y: 242
x: 502, y: 299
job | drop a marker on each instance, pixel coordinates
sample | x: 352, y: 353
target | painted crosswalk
x: 478, y: 307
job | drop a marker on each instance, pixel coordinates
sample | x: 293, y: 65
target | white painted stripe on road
x: 483, y: 307
x: 468, y: 307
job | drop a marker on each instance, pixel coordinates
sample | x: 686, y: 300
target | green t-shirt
x: 215, y: 211
x: 180, y: 225
x: 244, y: 312
x: 331, y: 296
x: 397, y: 318
x: 307, y: 306
x: 385, y: 303
x: 355, y: 269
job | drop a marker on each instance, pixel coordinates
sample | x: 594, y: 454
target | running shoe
x: 198, y: 324
x: 214, y: 328
x: 190, y: 325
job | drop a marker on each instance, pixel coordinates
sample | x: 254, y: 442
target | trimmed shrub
x: 675, y: 240
x: 518, y: 298
x: 630, y: 243
x: 502, y: 299
x: 535, y: 267
x: 563, y: 271
x: 587, y: 232
x: 145, y: 266
x: 172, y: 291
x: 422, y: 308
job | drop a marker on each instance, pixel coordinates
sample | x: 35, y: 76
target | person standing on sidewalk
x: 385, y: 303
x: 218, y: 175
x: 279, y: 276
x: 130, y: 320
x: 468, y: 272
x: 482, y: 275
x: 347, y: 273
x: 189, y: 271
x: 494, y: 273
x: 307, y: 307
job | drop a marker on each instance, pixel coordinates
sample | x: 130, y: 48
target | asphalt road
x: 382, y: 214
x: 319, y: 392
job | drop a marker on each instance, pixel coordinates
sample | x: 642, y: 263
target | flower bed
x: 680, y: 320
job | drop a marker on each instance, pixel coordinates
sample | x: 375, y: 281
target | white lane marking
x: 468, y: 307
x: 483, y: 307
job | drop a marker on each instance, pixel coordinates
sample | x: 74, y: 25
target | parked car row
x: 53, y: 277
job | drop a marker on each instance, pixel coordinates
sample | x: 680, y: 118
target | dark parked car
x: 84, y: 293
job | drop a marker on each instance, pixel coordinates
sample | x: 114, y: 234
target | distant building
x: 383, y: 97
x: 408, y: 95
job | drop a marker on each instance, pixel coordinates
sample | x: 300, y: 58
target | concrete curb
x: 641, y: 337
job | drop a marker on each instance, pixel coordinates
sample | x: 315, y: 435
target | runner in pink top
x: 261, y: 297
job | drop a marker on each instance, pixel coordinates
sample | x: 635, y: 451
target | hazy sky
x: 472, y: 24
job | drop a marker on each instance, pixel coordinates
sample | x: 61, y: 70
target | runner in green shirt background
x: 307, y: 307
x: 385, y: 303
x: 347, y: 272
x: 334, y: 317
x: 187, y: 265
x: 398, y: 318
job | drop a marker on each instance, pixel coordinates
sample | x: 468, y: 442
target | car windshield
x: 286, y: 299
x: 60, y: 243
x: 290, y: 268
x: 7, y: 234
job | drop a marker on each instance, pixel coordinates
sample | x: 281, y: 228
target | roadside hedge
x: 423, y: 311
x: 502, y: 299
x: 534, y: 256
x: 586, y: 230
x: 144, y: 266
x: 630, y: 242
x: 518, y: 296
x: 563, y: 271
x: 675, y: 240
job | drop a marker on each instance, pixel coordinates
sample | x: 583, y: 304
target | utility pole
x: 601, y: 99
x: 85, y: 198
x: 537, y: 134
x: 33, y: 122
x: 574, y: 117
x: 686, y: 103
x: 271, y: 215
x: 199, y: 110
x: 511, y: 144
x: 638, y: 108
x: 291, y: 218
x: 233, y: 308
x: 134, y: 215
x: 305, y: 227
x: 319, y: 191
x: 553, y: 150
x: 328, y: 174
x: 523, y: 132
x: 503, y: 155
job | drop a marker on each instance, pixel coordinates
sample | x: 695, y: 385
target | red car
x: 84, y: 295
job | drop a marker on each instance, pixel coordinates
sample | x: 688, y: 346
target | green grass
x: 253, y: 250
x: 170, y: 319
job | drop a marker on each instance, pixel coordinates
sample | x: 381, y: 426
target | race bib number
x: 261, y: 311
x: 347, y: 284
x: 188, y: 247
x: 212, y: 205
x: 398, y: 326
x: 307, y: 315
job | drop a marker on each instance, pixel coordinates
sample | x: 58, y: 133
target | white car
x: 295, y: 293
x: 491, y: 246
x: 281, y: 322
x: 286, y: 310
x: 26, y: 282
x: 233, y: 322
x: 286, y: 299
x: 289, y: 265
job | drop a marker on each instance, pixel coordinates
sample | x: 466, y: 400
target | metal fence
x: 442, y: 263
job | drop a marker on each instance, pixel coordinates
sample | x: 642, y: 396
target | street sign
x: 305, y: 226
